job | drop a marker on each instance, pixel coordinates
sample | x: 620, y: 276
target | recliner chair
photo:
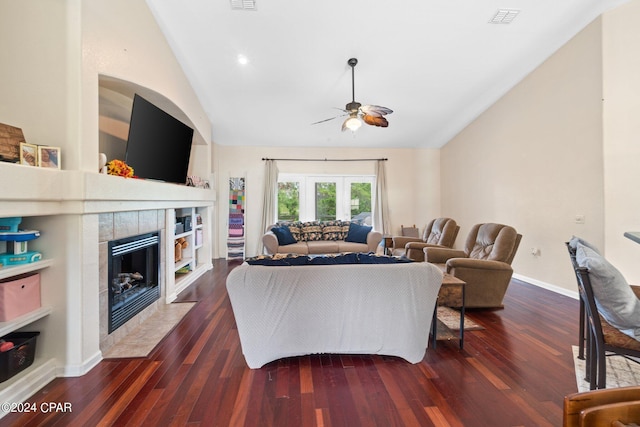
x: 440, y: 232
x: 484, y: 263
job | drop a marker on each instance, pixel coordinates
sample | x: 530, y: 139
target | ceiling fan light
x: 353, y: 124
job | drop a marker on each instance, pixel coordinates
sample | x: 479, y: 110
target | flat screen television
x: 159, y: 145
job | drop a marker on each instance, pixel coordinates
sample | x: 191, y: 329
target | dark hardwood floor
x: 513, y: 373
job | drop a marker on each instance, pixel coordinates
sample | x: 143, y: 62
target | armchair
x: 484, y: 263
x: 439, y: 232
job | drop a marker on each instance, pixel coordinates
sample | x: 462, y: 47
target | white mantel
x: 39, y: 191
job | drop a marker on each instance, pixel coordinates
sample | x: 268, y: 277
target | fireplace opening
x: 133, y: 276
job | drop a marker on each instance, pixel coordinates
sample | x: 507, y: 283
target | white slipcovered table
x: 284, y: 311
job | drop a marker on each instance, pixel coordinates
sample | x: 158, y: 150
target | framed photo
x: 28, y: 154
x: 49, y: 157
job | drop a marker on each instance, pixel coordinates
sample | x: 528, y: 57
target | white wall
x: 621, y: 52
x: 36, y: 40
x: 534, y: 161
x: 413, y: 177
x: 121, y: 39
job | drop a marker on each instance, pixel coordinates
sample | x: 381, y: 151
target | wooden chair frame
x: 600, y: 406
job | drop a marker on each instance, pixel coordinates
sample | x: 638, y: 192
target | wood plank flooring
x: 513, y: 373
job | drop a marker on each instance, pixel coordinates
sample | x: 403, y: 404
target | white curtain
x: 269, y: 199
x: 381, y: 212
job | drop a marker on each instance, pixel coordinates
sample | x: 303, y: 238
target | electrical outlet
x: 579, y: 219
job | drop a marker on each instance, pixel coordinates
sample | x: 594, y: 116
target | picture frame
x: 28, y: 154
x: 49, y: 157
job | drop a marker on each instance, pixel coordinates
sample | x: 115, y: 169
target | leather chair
x: 484, y: 263
x: 440, y: 232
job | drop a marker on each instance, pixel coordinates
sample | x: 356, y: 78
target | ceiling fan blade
x: 375, y: 120
x: 346, y: 113
x: 325, y: 120
x: 375, y: 110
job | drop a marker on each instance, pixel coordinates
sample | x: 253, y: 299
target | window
x: 288, y: 201
x: 325, y: 197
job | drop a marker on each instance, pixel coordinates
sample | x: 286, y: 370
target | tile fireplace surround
x: 118, y: 225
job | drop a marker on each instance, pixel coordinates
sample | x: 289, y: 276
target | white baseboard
x: 548, y: 286
x: 80, y: 370
x: 25, y: 384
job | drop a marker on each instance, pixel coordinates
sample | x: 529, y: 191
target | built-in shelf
x: 24, y: 320
x: 43, y: 370
x: 196, y: 257
x: 183, y: 262
x: 185, y: 234
x: 15, y: 270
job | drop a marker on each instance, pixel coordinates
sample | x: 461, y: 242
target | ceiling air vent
x: 243, y: 4
x: 504, y: 16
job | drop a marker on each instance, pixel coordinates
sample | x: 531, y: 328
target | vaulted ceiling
x: 437, y: 64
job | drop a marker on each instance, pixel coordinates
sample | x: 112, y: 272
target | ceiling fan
x: 370, y: 114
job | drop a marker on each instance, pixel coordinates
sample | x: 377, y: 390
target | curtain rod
x: 327, y: 160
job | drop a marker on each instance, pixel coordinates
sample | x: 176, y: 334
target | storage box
x: 21, y: 356
x: 19, y: 295
x: 187, y: 223
x: 179, y: 228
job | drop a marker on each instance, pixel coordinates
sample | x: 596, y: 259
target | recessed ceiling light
x: 242, y: 59
x: 504, y: 16
x: 243, y: 4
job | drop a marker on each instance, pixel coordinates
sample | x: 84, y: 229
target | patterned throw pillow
x: 294, y: 228
x: 311, y: 231
x: 345, y: 229
x: 332, y: 230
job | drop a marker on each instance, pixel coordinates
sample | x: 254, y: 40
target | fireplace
x: 133, y: 276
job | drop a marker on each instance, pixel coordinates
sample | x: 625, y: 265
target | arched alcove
x: 114, y: 107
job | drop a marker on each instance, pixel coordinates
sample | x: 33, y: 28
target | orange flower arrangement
x: 119, y: 168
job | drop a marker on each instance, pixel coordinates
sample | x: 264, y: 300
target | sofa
x: 294, y: 310
x: 320, y: 237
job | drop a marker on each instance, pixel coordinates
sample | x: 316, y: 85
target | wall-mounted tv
x: 159, y: 145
